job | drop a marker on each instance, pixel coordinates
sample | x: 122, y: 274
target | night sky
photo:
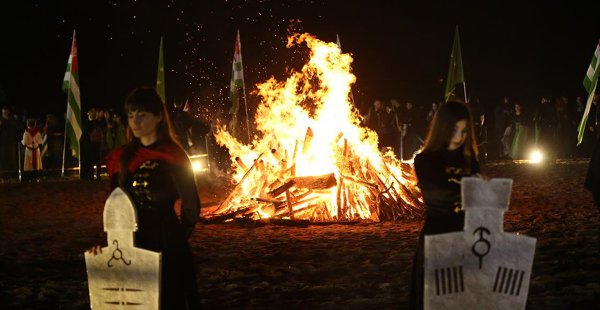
x: 401, y: 51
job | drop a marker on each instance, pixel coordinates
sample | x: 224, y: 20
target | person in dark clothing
x: 545, y: 123
x: 153, y: 169
x: 9, y: 139
x: 503, y: 118
x: 54, y: 138
x: 91, y: 146
x: 408, y: 122
x: 592, y: 179
x: 181, y: 125
x: 448, y: 155
x: 381, y: 120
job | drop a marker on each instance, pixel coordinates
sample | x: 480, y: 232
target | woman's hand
x: 95, y: 250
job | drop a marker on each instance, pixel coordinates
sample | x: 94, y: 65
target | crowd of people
x: 506, y: 130
x: 30, y: 144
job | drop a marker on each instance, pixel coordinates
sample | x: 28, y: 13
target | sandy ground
x: 46, y: 226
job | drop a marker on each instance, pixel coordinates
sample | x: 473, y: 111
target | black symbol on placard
x: 117, y: 255
x: 508, y: 281
x: 477, y: 247
x: 449, y: 280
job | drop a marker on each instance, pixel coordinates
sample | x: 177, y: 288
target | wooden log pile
x: 271, y: 188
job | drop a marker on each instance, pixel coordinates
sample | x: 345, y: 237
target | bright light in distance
x: 536, y: 157
x: 199, y: 162
x: 197, y: 166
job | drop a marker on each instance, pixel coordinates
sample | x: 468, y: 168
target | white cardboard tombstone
x: 482, y: 267
x: 123, y: 276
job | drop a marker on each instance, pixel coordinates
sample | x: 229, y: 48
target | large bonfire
x: 311, y: 158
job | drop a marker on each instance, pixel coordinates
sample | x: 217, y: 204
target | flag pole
x: 246, y: 106
x: 65, y: 146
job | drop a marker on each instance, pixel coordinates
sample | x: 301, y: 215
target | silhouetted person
x: 9, y: 139
x: 545, y: 120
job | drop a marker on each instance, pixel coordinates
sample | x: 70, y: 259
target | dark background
x: 522, y: 50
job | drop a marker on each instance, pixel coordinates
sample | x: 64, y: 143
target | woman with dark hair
x: 155, y: 171
x: 449, y: 153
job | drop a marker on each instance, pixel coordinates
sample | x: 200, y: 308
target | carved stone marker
x: 482, y: 267
x: 122, y: 276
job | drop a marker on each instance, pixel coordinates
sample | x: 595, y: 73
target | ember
x: 312, y: 160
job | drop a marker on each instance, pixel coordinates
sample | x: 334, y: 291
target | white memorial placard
x: 122, y: 276
x: 481, y: 267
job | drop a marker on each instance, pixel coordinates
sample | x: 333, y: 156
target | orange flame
x: 312, y: 159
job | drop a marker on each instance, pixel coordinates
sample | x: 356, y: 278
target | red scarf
x: 34, y: 154
x: 167, y: 152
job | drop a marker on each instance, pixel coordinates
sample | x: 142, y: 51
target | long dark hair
x: 442, y: 128
x: 144, y: 99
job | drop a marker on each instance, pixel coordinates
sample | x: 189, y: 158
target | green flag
x: 589, y: 83
x: 71, y: 87
x: 455, y: 71
x: 236, y: 91
x: 160, y: 76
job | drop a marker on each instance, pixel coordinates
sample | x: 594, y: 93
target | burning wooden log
x: 241, y: 164
x: 290, y: 203
x: 281, y: 189
x: 339, y: 199
x: 307, y: 139
x: 358, y: 181
x: 276, y: 203
x: 316, y: 182
x: 237, y: 186
x: 222, y: 218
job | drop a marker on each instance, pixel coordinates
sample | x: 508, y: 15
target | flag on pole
x: 589, y: 83
x: 160, y: 76
x: 236, y: 90
x: 455, y: 71
x: 339, y: 44
x: 44, y: 146
x: 71, y: 87
x: 186, y: 106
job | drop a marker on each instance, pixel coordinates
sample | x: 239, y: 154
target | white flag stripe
x: 75, y: 90
x: 73, y: 121
x: 592, y: 70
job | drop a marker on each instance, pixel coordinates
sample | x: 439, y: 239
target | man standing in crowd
x: 9, y: 139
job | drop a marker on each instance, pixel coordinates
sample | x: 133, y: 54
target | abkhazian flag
x: 160, y: 75
x: 44, y: 146
x: 235, y: 88
x: 589, y: 83
x: 455, y: 71
x: 71, y: 87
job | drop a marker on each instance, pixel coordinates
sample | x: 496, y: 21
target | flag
x: 71, y: 87
x: 236, y: 86
x: 589, y: 83
x: 339, y: 44
x: 160, y: 76
x: 455, y: 71
x: 44, y: 146
x: 186, y: 106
